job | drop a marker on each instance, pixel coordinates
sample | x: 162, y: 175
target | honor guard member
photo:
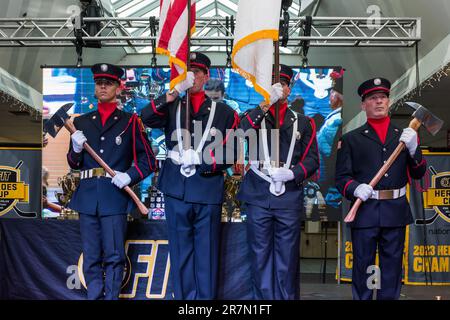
x: 193, y: 181
x: 382, y: 218
x: 117, y: 138
x: 274, y: 196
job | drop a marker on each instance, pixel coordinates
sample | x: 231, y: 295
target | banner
x: 20, y: 182
x: 426, y: 259
x: 428, y: 238
x: 42, y: 259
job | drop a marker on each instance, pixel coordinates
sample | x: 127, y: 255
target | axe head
x: 432, y: 123
x: 57, y: 121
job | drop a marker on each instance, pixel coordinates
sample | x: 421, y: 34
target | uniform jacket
x: 98, y: 194
x: 206, y: 186
x: 360, y: 155
x: 305, y: 160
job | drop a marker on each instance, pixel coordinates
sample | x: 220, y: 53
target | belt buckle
x: 386, y: 194
x: 98, y: 172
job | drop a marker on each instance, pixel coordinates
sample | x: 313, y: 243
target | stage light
x: 92, y: 10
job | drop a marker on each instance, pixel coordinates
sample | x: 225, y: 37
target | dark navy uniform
x: 194, y: 204
x: 102, y: 206
x: 360, y: 155
x: 274, y: 221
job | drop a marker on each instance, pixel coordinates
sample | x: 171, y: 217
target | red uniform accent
x: 304, y: 170
x: 375, y: 89
x: 106, y: 75
x: 70, y: 158
x: 134, y: 117
x: 283, y: 108
x: 346, y: 186
x: 211, y: 153
x: 285, y: 76
x: 106, y: 109
x: 199, y: 65
x: 197, y: 100
x: 251, y: 122
x: 233, y: 127
x: 380, y: 126
x: 148, y: 150
x: 154, y: 109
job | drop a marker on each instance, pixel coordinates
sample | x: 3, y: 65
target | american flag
x: 172, y: 39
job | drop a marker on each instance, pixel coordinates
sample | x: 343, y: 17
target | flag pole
x: 285, y: 4
x: 187, y: 142
x: 277, y: 104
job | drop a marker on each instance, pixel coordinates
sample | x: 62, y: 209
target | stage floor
x: 312, y: 286
x: 329, y: 291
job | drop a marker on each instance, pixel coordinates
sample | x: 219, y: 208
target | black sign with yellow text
x: 20, y: 182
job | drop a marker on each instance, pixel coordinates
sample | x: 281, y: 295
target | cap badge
x: 104, y: 67
x: 377, y: 82
x: 193, y: 56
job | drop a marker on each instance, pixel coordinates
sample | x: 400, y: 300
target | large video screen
x: 311, y: 90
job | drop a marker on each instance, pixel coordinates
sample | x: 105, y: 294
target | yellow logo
x: 12, y: 190
x: 438, y: 196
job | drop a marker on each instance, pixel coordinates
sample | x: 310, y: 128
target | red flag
x: 172, y: 39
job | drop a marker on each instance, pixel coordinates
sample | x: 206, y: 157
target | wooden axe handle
x: 142, y: 208
x: 414, y: 124
x: 54, y: 207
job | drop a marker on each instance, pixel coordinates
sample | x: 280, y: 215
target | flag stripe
x: 172, y: 39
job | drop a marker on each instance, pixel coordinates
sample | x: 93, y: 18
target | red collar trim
x: 283, y: 108
x: 106, y: 109
x: 197, y: 100
x: 380, y: 126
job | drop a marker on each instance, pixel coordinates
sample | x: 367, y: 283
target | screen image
x: 311, y: 95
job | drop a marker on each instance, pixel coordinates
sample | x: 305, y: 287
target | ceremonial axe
x: 421, y: 116
x: 62, y: 119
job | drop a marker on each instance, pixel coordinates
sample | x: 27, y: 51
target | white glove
x: 186, y: 83
x: 78, y: 139
x: 276, y: 93
x: 363, y: 191
x: 189, y: 158
x: 121, y: 179
x: 279, y: 177
x: 281, y: 174
x: 409, y: 137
